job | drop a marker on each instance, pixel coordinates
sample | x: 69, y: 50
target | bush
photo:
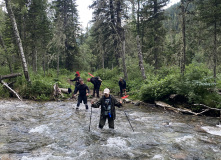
x: 39, y: 89
x: 4, y: 93
x: 155, y: 89
x: 197, y: 85
x: 107, y: 74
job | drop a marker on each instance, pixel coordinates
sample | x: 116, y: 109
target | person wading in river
x: 76, y: 79
x: 96, y: 81
x: 122, y: 85
x: 82, y: 88
x: 107, y: 103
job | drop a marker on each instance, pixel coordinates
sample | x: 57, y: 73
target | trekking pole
x: 128, y: 121
x: 90, y: 120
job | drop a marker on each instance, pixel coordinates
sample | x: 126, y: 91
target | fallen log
x: 59, y: 91
x: 216, y: 109
x: 177, y: 110
x: 6, y: 85
x: 13, y: 75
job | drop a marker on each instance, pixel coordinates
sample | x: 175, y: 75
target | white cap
x: 106, y: 90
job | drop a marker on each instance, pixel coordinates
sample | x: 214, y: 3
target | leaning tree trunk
x: 18, y: 39
x: 140, y: 56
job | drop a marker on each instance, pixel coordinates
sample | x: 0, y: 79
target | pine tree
x: 38, y: 28
x: 66, y: 10
x: 152, y: 29
x: 209, y: 12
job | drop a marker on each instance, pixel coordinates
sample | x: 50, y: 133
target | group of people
x: 107, y: 102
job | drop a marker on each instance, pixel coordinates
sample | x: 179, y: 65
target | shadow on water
x: 56, y: 130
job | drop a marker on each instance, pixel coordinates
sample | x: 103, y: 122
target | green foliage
x: 107, y: 74
x: 157, y: 89
x: 3, y: 92
x: 197, y: 85
x: 38, y: 90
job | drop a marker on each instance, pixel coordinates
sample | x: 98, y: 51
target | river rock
x: 137, y: 103
x: 180, y: 156
x: 4, y: 157
x: 126, y: 100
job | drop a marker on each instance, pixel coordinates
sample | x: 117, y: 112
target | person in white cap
x: 107, y: 103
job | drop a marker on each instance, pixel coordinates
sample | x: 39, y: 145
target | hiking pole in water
x: 90, y: 120
x: 128, y: 121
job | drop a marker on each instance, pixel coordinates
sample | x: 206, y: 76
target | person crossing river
x: 76, y: 79
x: 96, y: 81
x: 107, y: 103
x: 82, y: 88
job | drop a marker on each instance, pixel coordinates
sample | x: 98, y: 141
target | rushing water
x: 56, y: 131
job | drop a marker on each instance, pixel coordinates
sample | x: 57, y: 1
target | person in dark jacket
x: 82, y: 88
x: 107, y: 103
x: 122, y: 85
x: 76, y: 79
x: 96, y: 81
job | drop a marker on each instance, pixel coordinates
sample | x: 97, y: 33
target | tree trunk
x: 121, y: 37
x: 58, y: 60
x: 44, y: 66
x: 215, y: 51
x: 138, y: 17
x: 140, y: 56
x: 18, y: 39
x: 123, y: 56
x: 183, y: 55
x: 6, y: 52
x: 6, y: 85
x: 13, y: 75
x: 155, y: 38
x: 34, y: 59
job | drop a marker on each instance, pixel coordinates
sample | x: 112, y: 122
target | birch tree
x: 18, y: 39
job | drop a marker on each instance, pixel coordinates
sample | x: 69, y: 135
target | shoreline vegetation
x: 195, y: 93
x: 169, y: 57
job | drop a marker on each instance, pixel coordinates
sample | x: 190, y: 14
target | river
x: 57, y: 131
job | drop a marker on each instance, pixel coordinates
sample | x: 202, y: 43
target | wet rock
x: 5, y: 157
x: 180, y: 156
x: 137, y: 103
x: 126, y: 100
x: 16, y: 118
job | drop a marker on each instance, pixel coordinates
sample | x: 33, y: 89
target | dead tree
x: 7, y: 86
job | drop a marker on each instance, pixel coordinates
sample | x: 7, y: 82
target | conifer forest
x: 161, y: 52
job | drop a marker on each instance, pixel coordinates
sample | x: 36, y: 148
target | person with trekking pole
x: 96, y: 81
x: 107, y: 103
x: 82, y: 88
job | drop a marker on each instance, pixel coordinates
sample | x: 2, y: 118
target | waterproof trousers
x: 103, y: 120
x: 96, y: 90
